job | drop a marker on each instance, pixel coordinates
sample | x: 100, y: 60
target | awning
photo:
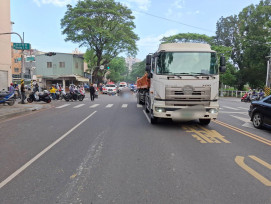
x: 82, y: 79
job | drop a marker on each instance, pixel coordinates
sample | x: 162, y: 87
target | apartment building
x: 5, y: 42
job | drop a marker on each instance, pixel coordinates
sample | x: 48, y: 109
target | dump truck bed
x: 143, y: 82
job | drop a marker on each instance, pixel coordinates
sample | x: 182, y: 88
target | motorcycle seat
x: 4, y: 94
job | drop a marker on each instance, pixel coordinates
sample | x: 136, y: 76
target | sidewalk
x: 7, y: 111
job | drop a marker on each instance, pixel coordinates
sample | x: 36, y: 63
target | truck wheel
x: 154, y: 119
x: 147, y: 104
x: 204, y: 121
x: 138, y: 99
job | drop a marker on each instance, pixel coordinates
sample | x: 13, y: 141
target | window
x: 49, y: 64
x: 16, y: 60
x: 62, y: 64
x: 76, y: 65
x: 16, y: 69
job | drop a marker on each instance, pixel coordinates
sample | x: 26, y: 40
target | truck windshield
x: 186, y: 63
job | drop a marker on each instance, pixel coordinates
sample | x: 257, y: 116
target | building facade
x: 130, y: 61
x: 61, y: 68
x: 5, y: 41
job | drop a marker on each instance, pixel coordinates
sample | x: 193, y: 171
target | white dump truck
x: 181, y: 83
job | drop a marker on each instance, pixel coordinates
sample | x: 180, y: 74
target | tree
x: 118, y: 69
x: 138, y: 70
x: 105, y: 27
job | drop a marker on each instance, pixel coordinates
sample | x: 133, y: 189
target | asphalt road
x: 106, y: 151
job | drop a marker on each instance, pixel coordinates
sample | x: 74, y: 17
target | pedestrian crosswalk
x: 96, y: 105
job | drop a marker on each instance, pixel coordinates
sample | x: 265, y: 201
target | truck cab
x: 182, y: 83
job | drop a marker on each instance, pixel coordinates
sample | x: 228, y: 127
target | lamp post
x: 22, y: 56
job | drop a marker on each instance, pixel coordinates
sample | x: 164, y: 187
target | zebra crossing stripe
x: 63, y: 106
x: 139, y: 106
x: 230, y: 108
x: 109, y: 105
x: 243, y: 108
x: 78, y: 106
x: 124, y: 105
x: 94, y: 106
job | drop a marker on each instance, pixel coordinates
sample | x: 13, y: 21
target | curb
x: 23, y: 111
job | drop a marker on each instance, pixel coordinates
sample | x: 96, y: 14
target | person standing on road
x: 92, y: 92
x: 22, y: 91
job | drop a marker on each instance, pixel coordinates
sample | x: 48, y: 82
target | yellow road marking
x: 240, y: 161
x: 261, y: 161
x: 248, y: 134
x: 204, y: 135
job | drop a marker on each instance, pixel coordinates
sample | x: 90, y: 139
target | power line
x: 167, y: 19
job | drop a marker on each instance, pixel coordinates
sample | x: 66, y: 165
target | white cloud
x: 59, y: 3
x: 150, y: 44
x: 179, y: 4
x: 141, y: 4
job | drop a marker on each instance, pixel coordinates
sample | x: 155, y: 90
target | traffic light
x: 50, y: 54
x: 108, y: 67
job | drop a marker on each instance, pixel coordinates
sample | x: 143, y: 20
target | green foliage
x: 104, y: 26
x: 138, y: 70
x: 229, y: 77
x: 249, y: 36
x: 118, y: 69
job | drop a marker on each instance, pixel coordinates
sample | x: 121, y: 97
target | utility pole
x: 268, y: 78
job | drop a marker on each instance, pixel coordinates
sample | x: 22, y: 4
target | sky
x: 39, y: 20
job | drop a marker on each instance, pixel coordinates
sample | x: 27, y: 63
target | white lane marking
x: 94, y: 106
x: 139, y: 106
x: 243, y: 113
x: 147, y: 116
x: 109, y: 106
x: 78, y: 106
x: 124, y: 105
x: 63, y: 106
x: 246, y: 120
x: 248, y: 125
x: 230, y: 108
x: 243, y: 108
x: 22, y: 168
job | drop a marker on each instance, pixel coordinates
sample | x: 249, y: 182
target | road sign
x: 101, y: 67
x: 21, y: 46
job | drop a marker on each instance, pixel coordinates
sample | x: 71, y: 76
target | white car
x: 110, y: 89
x: 122, y: 85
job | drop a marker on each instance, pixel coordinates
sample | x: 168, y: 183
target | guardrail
x: 237, y: 94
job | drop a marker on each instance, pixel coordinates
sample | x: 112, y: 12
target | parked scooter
x: 74, y: 96
x: 39, y: 97
x: 7, y: 97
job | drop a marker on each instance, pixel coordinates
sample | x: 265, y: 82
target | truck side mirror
x: 148, y: 68
x: 148, y: 60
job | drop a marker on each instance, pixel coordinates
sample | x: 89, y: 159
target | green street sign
x: 21, y: 46
x: 30, y: 59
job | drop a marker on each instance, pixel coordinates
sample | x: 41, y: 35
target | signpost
x: 21, y: 46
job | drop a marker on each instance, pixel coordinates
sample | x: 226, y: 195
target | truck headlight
x: 160, y: 110
x: 213, y: 110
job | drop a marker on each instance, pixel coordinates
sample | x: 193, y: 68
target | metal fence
x: 237, y: 94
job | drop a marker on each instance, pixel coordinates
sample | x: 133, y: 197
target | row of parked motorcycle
x: 9, y: 98
x: 59, y: 95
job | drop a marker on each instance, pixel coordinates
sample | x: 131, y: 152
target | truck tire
x: 204, y: 121
x: 138, y: 99
x: 154, y: 119
x: 147, y: 104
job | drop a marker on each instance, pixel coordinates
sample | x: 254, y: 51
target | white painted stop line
x: 109, y: 106
x: 139, y: 106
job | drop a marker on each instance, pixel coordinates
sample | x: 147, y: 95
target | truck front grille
x: 181, y: 96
